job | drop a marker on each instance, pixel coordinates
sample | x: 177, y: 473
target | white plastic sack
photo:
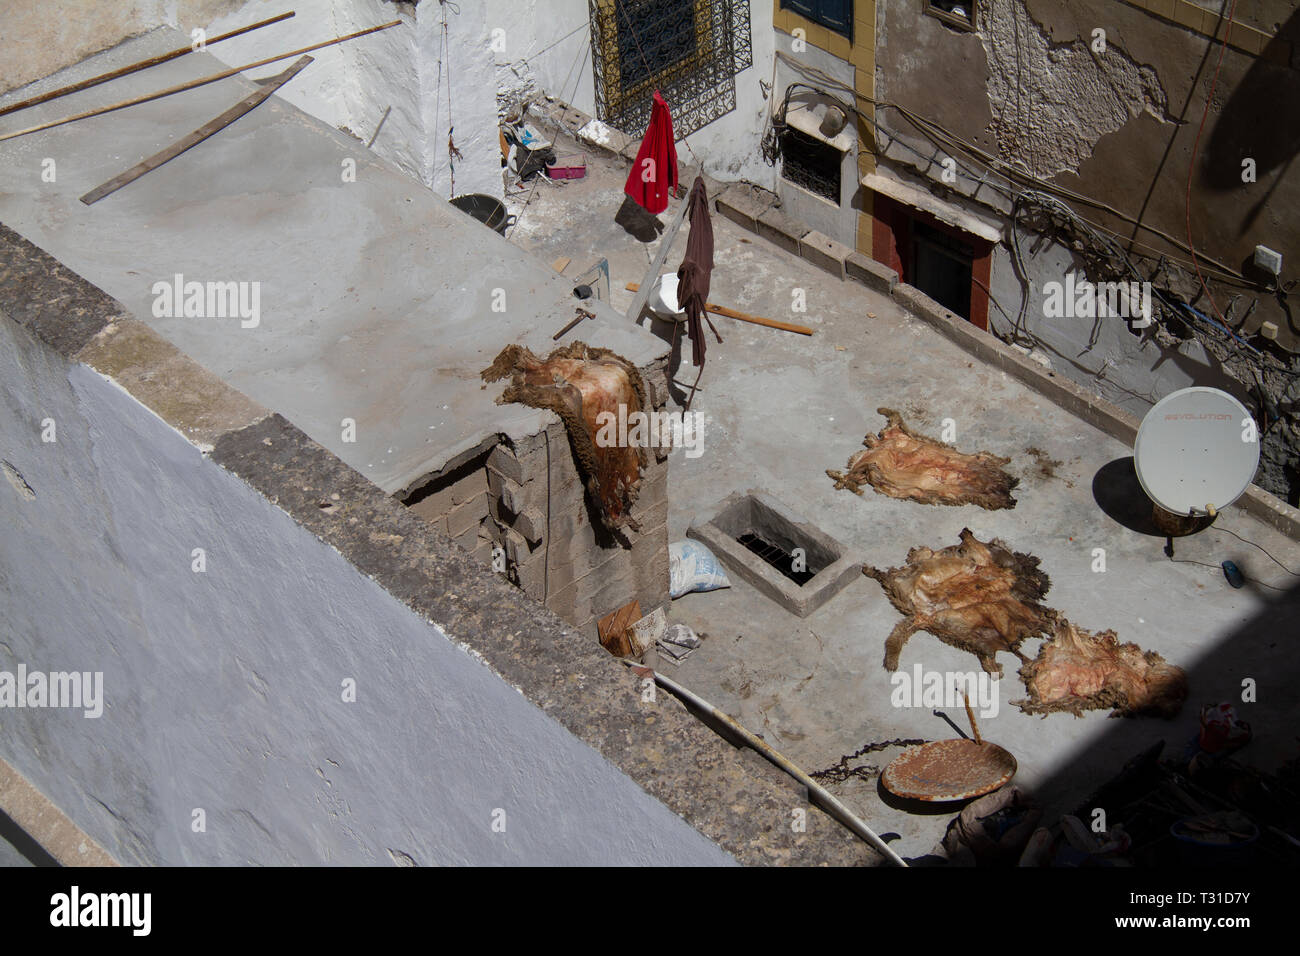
x: 692, y: 567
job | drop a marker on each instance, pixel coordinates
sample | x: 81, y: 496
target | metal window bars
x: 689, y: 50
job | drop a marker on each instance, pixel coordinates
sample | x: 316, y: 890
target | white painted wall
x: 728, y: 147
x: 222, y: 688
x: 430, y: 90
x: 839, y: 222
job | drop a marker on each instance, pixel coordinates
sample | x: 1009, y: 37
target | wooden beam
x: 181, y: 87
x: 134, y: 67
x: 247, y: 104
x: 745, y: 316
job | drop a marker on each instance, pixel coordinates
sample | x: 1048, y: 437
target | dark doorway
x: 942, y: 267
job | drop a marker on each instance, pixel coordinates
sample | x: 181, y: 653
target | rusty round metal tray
x: 947, y: 770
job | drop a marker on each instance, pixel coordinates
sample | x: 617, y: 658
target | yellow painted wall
x: 862, y: 54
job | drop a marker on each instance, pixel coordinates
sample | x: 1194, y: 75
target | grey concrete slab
x: 376, y: 296
x: 782, y: 408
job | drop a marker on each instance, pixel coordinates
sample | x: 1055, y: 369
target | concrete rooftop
x: 782, y: 408
x: 376, y: 295
x: 376, y: 306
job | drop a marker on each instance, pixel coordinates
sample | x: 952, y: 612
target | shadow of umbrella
x: 1118, y: 493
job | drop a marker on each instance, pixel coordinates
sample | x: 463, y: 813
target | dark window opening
x: 653, y: 35
x: 834, y: 15
x: 778, y: 558
x: 942, y: 268
x: 811, y: 164
x: 957, y: 12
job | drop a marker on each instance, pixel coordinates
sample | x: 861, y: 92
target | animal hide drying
x: 578, y: 383
x: 1078, y: 671
x: 980, y: 597
x: 904, y: 464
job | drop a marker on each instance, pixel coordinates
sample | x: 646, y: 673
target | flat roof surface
x: 376, y: 296
x: 781, y: 409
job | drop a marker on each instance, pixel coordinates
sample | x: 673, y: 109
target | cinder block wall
x: 528, y: 498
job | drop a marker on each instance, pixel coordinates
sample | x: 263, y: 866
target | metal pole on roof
x: 820, y: 794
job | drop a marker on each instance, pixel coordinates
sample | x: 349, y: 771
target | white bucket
x: 663, y: 299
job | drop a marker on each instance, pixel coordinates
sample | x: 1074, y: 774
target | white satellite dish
x: 1196, y: 451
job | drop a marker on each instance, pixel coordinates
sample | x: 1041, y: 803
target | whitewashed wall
x: 728, y: 147
x: 406, y: 68
x: 222, y: 689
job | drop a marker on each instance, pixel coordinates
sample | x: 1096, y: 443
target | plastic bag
x: 692, y: 567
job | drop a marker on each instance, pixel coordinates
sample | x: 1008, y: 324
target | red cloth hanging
x: 655, y: 171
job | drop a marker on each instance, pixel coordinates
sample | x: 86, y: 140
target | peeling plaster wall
x: 1051, y: 102
x: 1100, y: 354
x: 543, y: 54
x: 222, y: 689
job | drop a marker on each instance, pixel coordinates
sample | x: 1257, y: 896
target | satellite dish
x: 1196, y: 451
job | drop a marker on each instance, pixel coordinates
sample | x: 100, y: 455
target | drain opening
x: 777, y: 557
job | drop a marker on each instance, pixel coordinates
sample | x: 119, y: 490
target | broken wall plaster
x: 1052, y: 102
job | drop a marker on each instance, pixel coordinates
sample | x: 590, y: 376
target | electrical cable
x: 1219, y: 568
x: 581, y: 26
x: 1261, y: 548
x: 943, y: 137
x: 1196, y: 148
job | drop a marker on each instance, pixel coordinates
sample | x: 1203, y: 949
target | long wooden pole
x: 245, y: 105
x: 196, y: 83
x: 134, y: 67
x: 744, y: 316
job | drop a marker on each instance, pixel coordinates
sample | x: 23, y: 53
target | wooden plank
x: 134, y: 67
x: 192, y: 84
x: 745, y: 316
x: 560, y: 264
x: 247, y: 104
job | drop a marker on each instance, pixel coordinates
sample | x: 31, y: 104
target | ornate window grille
x: 689, y: 50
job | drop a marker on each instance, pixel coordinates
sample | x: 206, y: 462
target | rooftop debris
x: 742, y: 316
x: 137, y: 67
x: 193, y: 84
x: 902, y: 463
x: 617, y: 633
